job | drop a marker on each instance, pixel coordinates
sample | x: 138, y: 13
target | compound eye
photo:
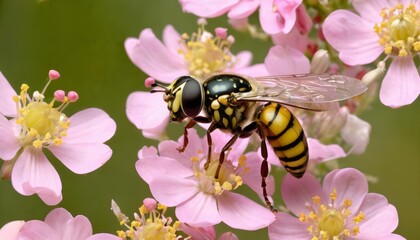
x: 192, y: 98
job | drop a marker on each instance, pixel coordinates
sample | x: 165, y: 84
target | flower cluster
x: 291, y: 117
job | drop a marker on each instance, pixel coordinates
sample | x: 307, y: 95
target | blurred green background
x: 83, y: 40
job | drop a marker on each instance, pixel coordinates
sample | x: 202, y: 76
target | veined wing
x: 308, y: 91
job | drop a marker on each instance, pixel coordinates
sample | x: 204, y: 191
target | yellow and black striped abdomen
x: 286, y: 136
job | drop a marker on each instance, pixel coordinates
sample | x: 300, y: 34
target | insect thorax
x: 218, y: 92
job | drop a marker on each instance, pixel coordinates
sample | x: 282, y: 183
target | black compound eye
x: 192, y: 98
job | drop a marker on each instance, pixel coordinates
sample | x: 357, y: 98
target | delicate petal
x: 10, y: 230
x: 220, y: 139
x: 77, y: 228
x: 151, y: 167
x: 9, y: 143
x: 148, y: 114
x: 104, y: 236
x: 287, y: 227
x: 199, y: 211
x: 207, y: 8
x: 172, y: 191
x: 291, y: 61
x: 294, y: 39
x: 244, y: 9
x: 401, y: 85
x: 171, y: 39
x: 228, y: 236
x: 36, y: 230
x: 243, y: 59
x: 370, y: 9
x: 381, y: 218
x: 82, y: 158
x: 281, y: 20
x: 91, y: 125
x: 239, y: 212
x: 349, y: 183
x: 353, y: 37
x: 296, y: 192
x: 320, y: 152
x: 356, y: 132
x: 199, y: 233
x: 393, y: 237
x: 152, y: 57
x: 33, y: 173
x: 58, y: 218
x: 7, y: 105
x: 255, y: 70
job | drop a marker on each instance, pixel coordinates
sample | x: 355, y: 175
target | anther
x: 72, y: 96
x: 150, y: 82
x: 53, y: 74
x: 221, y: 32
x: 59, y: 95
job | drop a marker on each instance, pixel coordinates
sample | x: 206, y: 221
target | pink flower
x: 59, y: 224
x: 206, y: 233
x: 276, y: 16
x: 388, y: 27
x: 77, y: 141
x: 180, y: 180
x: 178, y: 55
x: 341, y: 208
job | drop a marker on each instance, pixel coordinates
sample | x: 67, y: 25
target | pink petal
x: 207, y: 8
x: 172, y: 191
x: 287, y: 227
x: 147, y: 152
x: 33, y: 173
x: 401, y: 85
x: 381, y: 218
x: 148, y: 114
x: 281, y: 20
x: 228, y: 236
x: 349, y: 183
x: 220, y: 139
x: 294, y: 39
x: 393, y: 237
x: 353, y: 37
x: 153, y: 58
x: 291, y: 61
x: 296, y: 192
x: 104, y: 236
x: 207, y: 233
x: 91, y: 125
x: 370, y: 9
x: 152, y: 167
x: 320, y: 152
x: 7, y: 105
x: 199, y: 211
x: 171, y: 39
x: 57, y: 218
x: 77, y: 228
x: 255, y: 70
x: 10, y: 230
x: 9, y: 143
x: 82, y: 158
x: 244, y: 9
x: 36, y: 230
x: 243, y: 59
x: 240, y: 212
x: 253, y: 177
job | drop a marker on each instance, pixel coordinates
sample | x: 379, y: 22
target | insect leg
x: 264, y: 168
x: 190, y: 124
x: 211, y: 128
x: 222, y: 153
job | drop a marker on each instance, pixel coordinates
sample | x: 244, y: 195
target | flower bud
x: 73, y: 96
x: 221, y: 32
x: 53, y: 74
x: 375, y: 74
x: 320, y: 62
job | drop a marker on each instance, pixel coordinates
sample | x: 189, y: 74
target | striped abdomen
x: 286, y: 136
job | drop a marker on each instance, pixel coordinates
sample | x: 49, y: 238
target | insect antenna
x: 151, y: 83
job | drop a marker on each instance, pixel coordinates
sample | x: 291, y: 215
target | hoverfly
x: 243, y: 105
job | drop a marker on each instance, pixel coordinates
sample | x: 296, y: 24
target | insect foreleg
x: 222, y: 153
x: 190, y: 124
x: 212, y: 127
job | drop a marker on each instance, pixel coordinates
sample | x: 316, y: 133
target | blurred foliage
x: 84, y: 41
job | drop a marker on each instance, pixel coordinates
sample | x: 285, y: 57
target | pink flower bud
x: 73, y: 96
x: 59, y: 95
x: 150, y: 204
x: 221, y: 32
x: 149, y: 82
x: 53, y: 74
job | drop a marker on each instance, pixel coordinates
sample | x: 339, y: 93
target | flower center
x: 228, y: 179
x: 330, y: 222
x: 41, y: 123
x: 206, y: 54
x: 398, y: 31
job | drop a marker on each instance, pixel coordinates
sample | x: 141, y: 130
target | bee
x: 242, y: 105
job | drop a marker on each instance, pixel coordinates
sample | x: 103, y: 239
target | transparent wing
x: 315, y: 92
